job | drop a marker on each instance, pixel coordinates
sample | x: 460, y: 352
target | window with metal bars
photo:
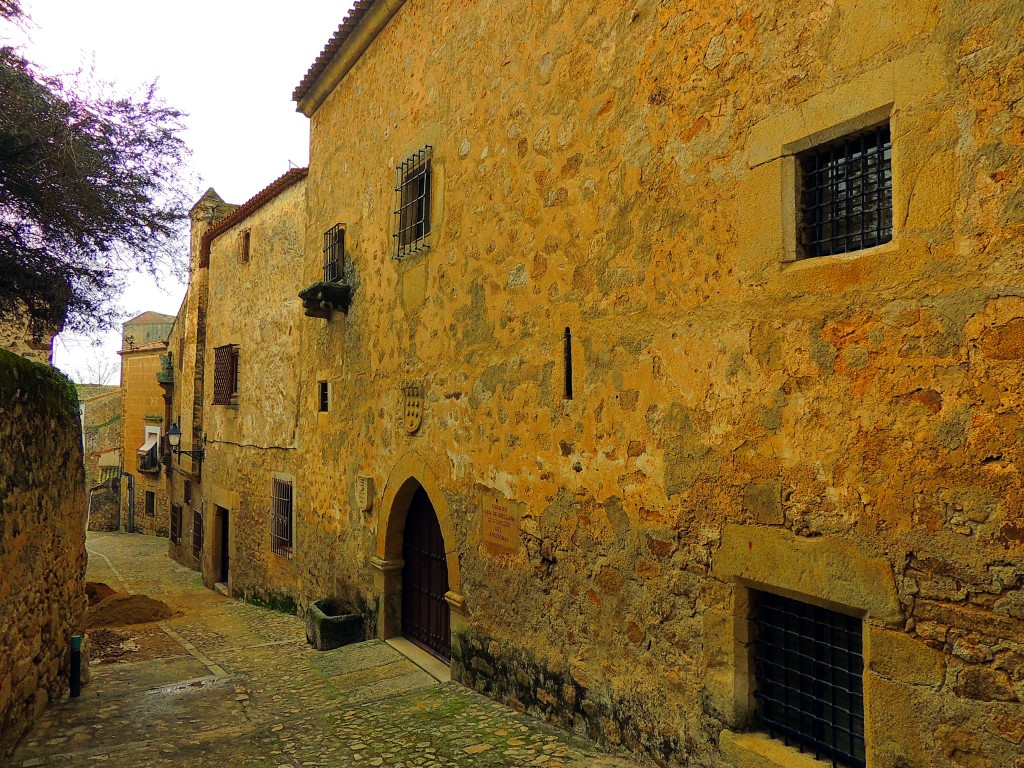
x: 225, y: 375
x: 324, y: 397
x: 176, y: 524
x: 197, y: 535
x: 846, y: 193
x: 808, y: 675
x: 281, y: 520
x: 334, y: 254
x: 412, y: 203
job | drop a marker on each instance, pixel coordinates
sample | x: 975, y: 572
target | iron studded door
x: 425, y: 613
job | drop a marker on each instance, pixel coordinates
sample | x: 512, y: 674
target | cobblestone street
x: 225, y: 683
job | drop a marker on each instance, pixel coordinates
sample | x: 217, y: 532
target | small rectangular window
x: 225, y: 375
x: 281, y: 522
x: 846, y: 193
x: 808, y: 676
x: 188, y: 491
x: 324, y: 397
x: 197, y: 535
x: 244, y: 241
x: 334, y: 254
x: 150, y: 504
x: 412, y: 203
x: 176, y: 524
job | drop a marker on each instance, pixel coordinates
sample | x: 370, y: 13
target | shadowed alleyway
x: 224, y: 683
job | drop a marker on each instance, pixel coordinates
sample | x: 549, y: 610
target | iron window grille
x: 808, y: 674
x: 846, y: 193
x: 225, y: 375
x: 334, y: 254
x: 281, y: 521
x: 325, y: 397
x: 197, y: 535
x: 412, y: 203
x: 176, y: 524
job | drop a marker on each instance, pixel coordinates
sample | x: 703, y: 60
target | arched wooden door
x: 425, y: 612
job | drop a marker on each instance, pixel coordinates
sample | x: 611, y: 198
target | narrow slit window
x: 244, y: 242
x: 808, y: 675
x: 176, y: 524
x: 412, y: 203
x: 846, y: 193
x: 324, y: 397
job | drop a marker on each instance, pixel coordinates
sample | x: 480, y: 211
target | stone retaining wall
x: 42, y: 540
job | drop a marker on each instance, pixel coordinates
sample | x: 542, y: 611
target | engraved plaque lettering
x: 499, y: 524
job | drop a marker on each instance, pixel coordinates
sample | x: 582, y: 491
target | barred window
x: 176, y: 524
x: 324, y: 393
x: 225, y: 375
x: 808, y: 674
x: 412, y: 203
x: 846, y: 193
x: 334, y: 254
x: 281, y: 522
x: 197, y: 535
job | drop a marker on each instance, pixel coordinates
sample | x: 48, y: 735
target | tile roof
x: 150, y: 318
x: 359, y: 9
x: 249, y: 207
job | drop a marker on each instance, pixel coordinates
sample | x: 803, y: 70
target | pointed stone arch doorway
x: 418, y: 578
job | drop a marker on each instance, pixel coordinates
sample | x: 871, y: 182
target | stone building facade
x: 144, y: 503
x: 42, y: 541
x: 601, y: 323
x: 100, y: 410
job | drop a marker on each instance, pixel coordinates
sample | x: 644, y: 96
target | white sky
x: 230, y: 64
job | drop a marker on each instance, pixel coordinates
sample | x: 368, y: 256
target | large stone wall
x: 844, y: 430
x: 42, y: 540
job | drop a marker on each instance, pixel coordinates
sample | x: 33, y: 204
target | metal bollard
x: 76, y: 666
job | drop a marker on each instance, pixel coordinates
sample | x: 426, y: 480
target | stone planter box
x: 326, y: 628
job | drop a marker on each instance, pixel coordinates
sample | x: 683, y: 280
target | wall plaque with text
x: 499, y: 525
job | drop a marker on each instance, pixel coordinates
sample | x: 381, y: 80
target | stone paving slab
x: 228, y: 684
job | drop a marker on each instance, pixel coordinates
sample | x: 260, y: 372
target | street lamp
x: 174, y: 438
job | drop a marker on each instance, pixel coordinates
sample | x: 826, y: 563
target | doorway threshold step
x: 434, y: 667
x: 221, y: 587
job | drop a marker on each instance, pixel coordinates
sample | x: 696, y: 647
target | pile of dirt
x: 118, y: 610
x: 97, y: 591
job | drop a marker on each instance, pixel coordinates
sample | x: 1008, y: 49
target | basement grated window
x: 846, y: 193
x: 334, y: 254
x: 808, y: 675
x: 281, y: 522
x: 197, y: 535
x: 412, y: 203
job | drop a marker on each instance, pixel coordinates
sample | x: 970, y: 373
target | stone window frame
x: 767, y: 211
x: 825, y: 571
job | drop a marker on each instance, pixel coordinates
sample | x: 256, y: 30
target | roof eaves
x: 353, y: 36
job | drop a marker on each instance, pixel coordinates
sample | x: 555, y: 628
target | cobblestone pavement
x: 228, y: 684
